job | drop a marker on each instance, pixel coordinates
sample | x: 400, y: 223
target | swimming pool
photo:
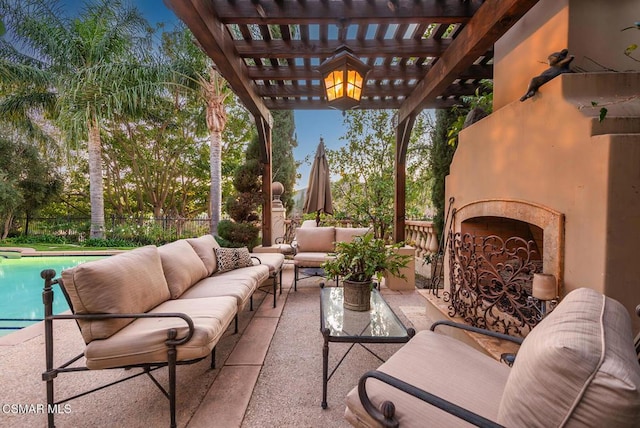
x: 21, y: 287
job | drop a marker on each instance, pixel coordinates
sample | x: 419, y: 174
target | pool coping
x: 32, y: 252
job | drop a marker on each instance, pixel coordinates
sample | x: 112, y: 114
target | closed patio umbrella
x: 318, y: 197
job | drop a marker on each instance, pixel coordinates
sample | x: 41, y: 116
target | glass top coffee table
x: 337, y: 324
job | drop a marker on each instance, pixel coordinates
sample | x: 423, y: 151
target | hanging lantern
x: 343, y: 76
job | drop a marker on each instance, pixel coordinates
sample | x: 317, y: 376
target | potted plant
x: 358, y: 261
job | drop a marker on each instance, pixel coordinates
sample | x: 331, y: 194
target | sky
x: 310, y: 124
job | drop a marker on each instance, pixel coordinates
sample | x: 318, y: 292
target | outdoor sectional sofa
x: 154, y: 307
x: 314, y: 245
x: 577, y: 367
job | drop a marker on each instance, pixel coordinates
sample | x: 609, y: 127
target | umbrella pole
x: 318, y: 218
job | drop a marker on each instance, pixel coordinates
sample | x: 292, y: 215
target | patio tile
x: 266, y: 309
x: 225, y: 403
x: 253, y: 346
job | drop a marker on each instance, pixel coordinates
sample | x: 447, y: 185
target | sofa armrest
x: 514, y: 339
x: 171, y: 333
x: 386, y: 416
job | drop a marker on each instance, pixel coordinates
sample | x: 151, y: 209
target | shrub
x: 239, y: 234
x: 39, y: 239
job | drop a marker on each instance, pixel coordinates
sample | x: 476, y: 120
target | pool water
x: 21, y: 287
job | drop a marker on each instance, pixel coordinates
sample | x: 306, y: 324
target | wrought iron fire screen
x: 491, y: 280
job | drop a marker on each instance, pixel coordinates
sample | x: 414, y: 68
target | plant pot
x: 357, y: 295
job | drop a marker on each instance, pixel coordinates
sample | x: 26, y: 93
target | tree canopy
x: 364, y: 190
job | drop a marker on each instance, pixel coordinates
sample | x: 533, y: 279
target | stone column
x: 278, y: 213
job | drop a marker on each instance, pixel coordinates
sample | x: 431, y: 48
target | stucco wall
x: 590, y: 29
x: 543, y: 151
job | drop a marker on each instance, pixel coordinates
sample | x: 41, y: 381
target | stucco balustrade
x: 422, y: 236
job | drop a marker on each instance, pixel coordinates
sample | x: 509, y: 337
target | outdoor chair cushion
x: 204, y: 246
x: 440, y: 364
x: 346, y: 234
x: 181, y: 265
x: 232, y: 258
x: 143, y: 341
x: 310, y: 259
x: 577, y: 367
x: 315, y: 239
x: 131, y: 282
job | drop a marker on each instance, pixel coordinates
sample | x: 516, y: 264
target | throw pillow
x: 232, y: 258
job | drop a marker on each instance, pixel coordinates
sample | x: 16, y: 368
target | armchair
x: 577, y: 367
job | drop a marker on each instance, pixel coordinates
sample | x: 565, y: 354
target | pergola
x: 422, y: 54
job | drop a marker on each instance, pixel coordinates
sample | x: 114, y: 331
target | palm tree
x: 194, y: 72
x: 216, y: 92
x: 95, y: 66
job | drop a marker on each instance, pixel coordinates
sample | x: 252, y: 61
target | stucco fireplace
x: 548, y: 170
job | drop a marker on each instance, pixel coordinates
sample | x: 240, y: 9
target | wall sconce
x: 544, y: 293
x: 343, y: 77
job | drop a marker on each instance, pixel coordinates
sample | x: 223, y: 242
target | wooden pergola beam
x: 403, y: 134
x: 264, y: 136
x: 490, y: 22
x: 287, y: 49
x: 372, y: 91
x: 353, y: 11
x: 479, y: 71
x: 365, y: 104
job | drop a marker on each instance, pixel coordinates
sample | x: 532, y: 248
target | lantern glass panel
x: 334, y: 84
x: 354, y: 85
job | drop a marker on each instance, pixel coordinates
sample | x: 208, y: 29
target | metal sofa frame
x: 171, y: 363
x: 276, y: 277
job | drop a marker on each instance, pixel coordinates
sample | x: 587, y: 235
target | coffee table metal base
x: 337, y: 324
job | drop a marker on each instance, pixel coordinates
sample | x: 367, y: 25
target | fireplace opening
x: 505, y: 229
x: 492, y: 261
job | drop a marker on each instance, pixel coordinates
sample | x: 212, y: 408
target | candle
x: 545, y: 286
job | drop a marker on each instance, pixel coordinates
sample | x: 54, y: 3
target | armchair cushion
x: 205, y: 246
x: 131, y: 282
x: 233, y: 258
x: 182, y: 266
x: 315, y: 239
x: 578, y: 366
x: 311, y: 260
x: 346, y: 234
x: 462, y: 375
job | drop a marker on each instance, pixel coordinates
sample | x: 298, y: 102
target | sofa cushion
x: 214, y: 286
x: 238, y: 283
x: 346, y: 234
x: 233, y: 258
x: 204, y: 246
x: 315, y: 239
x: 576, y: 368
x: 441, y: 365
x: 130, y: 282
x: 143, y: 341
x: 182, y: 266
x: 273, y: 261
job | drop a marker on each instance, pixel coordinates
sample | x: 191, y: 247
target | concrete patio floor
x: 269, y: 374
